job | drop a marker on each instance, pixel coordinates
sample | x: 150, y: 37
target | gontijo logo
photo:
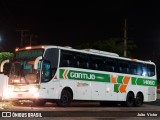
x: 82, y: 75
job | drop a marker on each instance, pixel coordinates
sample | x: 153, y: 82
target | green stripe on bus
x: 146, y: 82
x: 61, y: 72
x: 133, y: 80
x: 120, y: 79
x: 100, y: 77
x: 116, y: 87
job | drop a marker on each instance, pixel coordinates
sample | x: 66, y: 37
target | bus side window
x: 151, y: 70
x: 67, y: 59
x: 136, y: 68
x: 144, y: 69
x: 46, y: 71
x: 111, y: 65
x: 77, y: 64
x: 97, y: 63
x: 66, y: 63
x: 124, y: 67
x: 82, y: 61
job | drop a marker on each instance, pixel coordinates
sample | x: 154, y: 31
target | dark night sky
x: 74, y: 23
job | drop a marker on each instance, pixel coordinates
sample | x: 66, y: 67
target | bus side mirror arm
x: 2, y: 64
x: 36, y: 62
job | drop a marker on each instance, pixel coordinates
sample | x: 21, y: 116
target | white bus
x: 4, y: 70
x: 63, y: 75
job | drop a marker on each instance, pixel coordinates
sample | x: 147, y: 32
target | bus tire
x: 130, y: 99
x: 39, y: 102
x: 65, y: 100
x: 139, y: 100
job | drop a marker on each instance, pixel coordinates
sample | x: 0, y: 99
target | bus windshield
x: 23, y: 73
x: 28, y: 54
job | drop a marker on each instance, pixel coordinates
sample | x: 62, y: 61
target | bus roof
x: 88, y: 51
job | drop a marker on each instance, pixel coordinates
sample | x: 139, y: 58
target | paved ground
x: 88, y: 111
x: 158, y: 96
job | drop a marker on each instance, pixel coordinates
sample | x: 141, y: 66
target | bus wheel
x: 130, y: 100
x: 65, y: 100
x: 39, y: 102
x: 139, y: 100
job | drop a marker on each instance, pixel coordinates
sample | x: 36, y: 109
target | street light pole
x: 30, y: 40
x: 31, y: 37
x: 125, y: 38
x: 22, y: 35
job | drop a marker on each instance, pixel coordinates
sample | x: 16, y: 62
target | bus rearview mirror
x: 36, y: 62
x: 2, y: 65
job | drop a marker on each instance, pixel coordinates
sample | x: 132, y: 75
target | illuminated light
x: 108, y: 89
x: 16, y: 81
x: 42, y: 46
x: 16, y: 49
x: 36, y: 95
x: 144, y: 73
x: 7, y: 93
x: 27, y: 48
x: 33, y: 89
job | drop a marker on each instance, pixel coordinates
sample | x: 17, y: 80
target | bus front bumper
x: 23, y: 95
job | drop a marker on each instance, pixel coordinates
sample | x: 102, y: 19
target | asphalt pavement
x: 90, y: 108
x: 158, y: 96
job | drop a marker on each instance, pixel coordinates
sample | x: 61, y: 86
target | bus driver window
x: 46, y: 71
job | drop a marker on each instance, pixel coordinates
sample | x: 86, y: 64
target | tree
x: 114, y: 45
x: 5, y: 56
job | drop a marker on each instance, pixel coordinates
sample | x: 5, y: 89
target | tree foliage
x: 114, y: 45
x: 5, y: 56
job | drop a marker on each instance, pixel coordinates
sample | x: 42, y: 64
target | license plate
x: 20, y: 95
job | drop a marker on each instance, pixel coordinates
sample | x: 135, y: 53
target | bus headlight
x: 33, y: 89
x: 36, y: 95
x: 7, y: 93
